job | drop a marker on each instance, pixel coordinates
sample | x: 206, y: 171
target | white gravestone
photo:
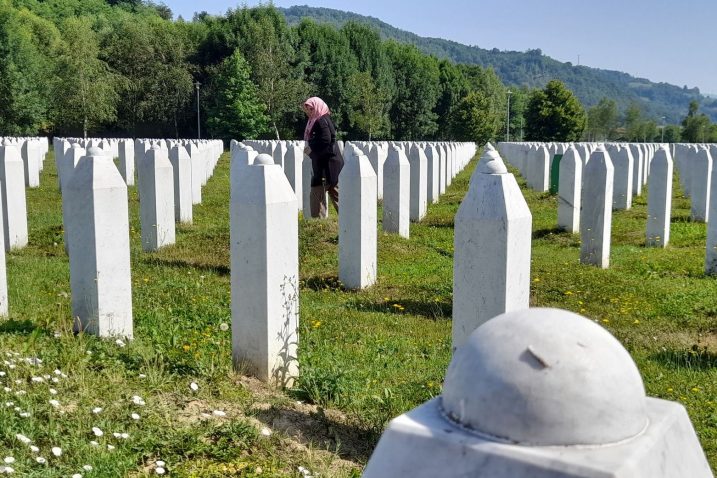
x: 31, y: 163
x: 126, y: 161
x: 265, y: 273
x: 539, y: 169
x: 357, y: 222
x: 3, y: 268
x: 417, y: 160
x: 156, y: 204
x: 72, y: 158
x: 396, y: 199
x: 596, y: 214
x: 377, y: 158
x: 441, y: 169
x: 197, y: 160
x: 98, y: 231
x: 659, y: 201
x: 569, y: 190
x: 638, y: 165
x: 14, y: 210
x: 293, y: 164
x: 711, y: 250
x: 432, y: 166
x: 700, y: 187
x: 622, y: 188
x: 541, y: 393
x: 182, y: 179
x: 491, y: 273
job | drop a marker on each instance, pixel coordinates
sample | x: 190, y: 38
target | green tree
x: 454, y: 87
x: 417, y: 89
x: 235, y: 111
x: 695, y: 125
x: 673, y: 133
x: 634, y: 123
x: 85, y: 90
x: 370, y: 106
x: 330, y: 67
x: 603, y: 120
x: 27, y: 44
x: 554, y: 114
x: 269, y: 46
x: 472, y: 119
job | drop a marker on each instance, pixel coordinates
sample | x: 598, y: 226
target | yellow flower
x: 568, y: 292
x: 636, y: 322
x: 186, y: 347
x: 606, y: 321
x: 537, y: 279
x: 669, y: 390
x: 316, y: 324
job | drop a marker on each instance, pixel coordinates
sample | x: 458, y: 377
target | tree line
x: 126, y: 68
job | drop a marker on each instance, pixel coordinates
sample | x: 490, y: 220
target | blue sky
x: 660, y: 40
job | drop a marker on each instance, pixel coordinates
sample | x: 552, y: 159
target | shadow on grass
x: 434, y: 310
x: 19, y: 327
x: 320, y: 430
x: 222, y: 270
x: 551, y: 231
x: 319, y: 283
x: 696, y: 358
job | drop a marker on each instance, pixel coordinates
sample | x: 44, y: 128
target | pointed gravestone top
x: 563, y: 380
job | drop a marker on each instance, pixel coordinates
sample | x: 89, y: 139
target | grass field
x: 365, y: 356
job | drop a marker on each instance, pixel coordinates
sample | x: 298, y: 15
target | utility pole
x: 199, y: 130
x: 663, y: 130
x: 507, y: 122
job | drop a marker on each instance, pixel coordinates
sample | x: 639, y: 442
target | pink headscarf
x: 316, y: 108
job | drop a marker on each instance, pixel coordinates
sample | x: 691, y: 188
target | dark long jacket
x: 326, y: 159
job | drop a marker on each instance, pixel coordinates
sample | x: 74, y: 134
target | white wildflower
x: 97, y: 432
x: 194, y: 386
x: 57, y: 451
x: 40, y: 460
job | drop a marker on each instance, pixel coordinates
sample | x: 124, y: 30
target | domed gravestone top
x: 545, y: 377
x: 541, y: 393
x: 263, y: 160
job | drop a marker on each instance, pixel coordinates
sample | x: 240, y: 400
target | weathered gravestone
x: 14, y: 205
x: 491, y: 273
x: 396, y: 198
x: 156, y: 204
x: 659, y: 201
x: 265, y: 273
x: 419, y: 175
x: 182, y: 180
x: 701, y: 185
x: 596, y: 214
x: 569, y: 190
x: 98, y: 232
x: 541, y: 393
x: 357, y: 221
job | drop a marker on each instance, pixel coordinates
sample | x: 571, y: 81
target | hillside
x: 533, y: 69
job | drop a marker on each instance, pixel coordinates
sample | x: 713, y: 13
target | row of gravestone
x: 588, y: 192
x: 417, y: 174
x: 530, y: 393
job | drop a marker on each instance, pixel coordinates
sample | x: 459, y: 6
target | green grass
x: 365, y: 356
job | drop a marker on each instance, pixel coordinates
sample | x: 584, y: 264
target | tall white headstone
x: 293, y: 167
x: 265, y: 273
x: 357, y: 222
x: 419, y: 174
x: 198, y: 168
x: 156, y: 203
x: 701, y: 182
x: 126, y: 161
x: 32, y: 165
x: 659, y: 201
x: 182, y: 179
x: 396, y: 199
x: 491, y: 273
x: 14, y: 210
x: 596, y: 215
x: 569, y: 190
x: 539, y: 169
x: 622, y: 188
x: 433, y: 173
x: 98, y: 229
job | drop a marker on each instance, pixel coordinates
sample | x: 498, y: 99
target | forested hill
x: 533, y: 69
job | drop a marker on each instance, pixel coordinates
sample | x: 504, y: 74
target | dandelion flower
x: 223, y: 327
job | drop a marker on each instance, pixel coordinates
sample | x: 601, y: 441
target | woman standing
x: 326, y: 159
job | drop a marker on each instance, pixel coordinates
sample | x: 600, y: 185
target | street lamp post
x: 199, y: 130
x: 507, y: 122
x: 662, y: 140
